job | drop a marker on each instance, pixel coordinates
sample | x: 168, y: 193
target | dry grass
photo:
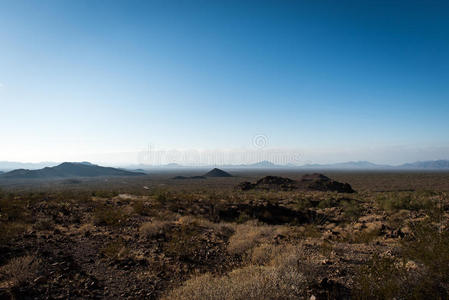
x: 264, y: 253
x: 274, y: 273
x: 20, y: 270
x: 152, y: 229
x: 247, y: 236
x: 115, y: 250
x: 221, y: 228
x: 252, y: 282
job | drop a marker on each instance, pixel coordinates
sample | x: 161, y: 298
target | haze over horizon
x: 323, y: 82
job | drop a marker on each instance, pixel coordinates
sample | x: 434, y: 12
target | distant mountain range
x: 25, y: 168
x: 67, y: 170
x: 351, y: 165
x: 365, y: 165
x: 435, y: 165
x: 11, y: 165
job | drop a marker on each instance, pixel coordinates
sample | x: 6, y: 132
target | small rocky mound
x: 314, y: 182
x: 217, y: 173
x: 270, y: 183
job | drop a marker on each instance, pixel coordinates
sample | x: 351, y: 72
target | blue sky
x: 334, y: 80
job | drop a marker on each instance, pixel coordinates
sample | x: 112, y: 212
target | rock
x: 313, y: 182
x: 245, y: 186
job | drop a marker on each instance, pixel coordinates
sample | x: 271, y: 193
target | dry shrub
x: 248, y: 236
x: 154, y: 228
x: 20, y: 270
x: 105, y: 215
x: 85, y: 229
x: 44, y: 224
x: 387, y: 277
x: 10, y: 230
x: 252, y: 282
x: 365, y: 236
x: 115, y: 250
x: 264, y: 253
x: 140, y: 208
x: 217, y: 227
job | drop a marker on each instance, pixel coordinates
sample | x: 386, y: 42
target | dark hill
x: 68, y: 170
x: 217, y: 173
x: 312, y: 182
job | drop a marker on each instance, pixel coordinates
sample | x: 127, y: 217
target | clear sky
x: 336, y: 80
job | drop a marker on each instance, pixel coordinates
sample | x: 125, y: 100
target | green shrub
x: 182, y: 242
x: 352, y: 209
x: 381, y: 278
x: 405, y: 200
x: 388, y: 277
x: 326, y: 203
x: 429, y: 246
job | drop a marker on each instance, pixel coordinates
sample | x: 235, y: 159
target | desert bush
x: 44, y: 224
x: 115, y: 250
x: 302, y: 204
x: 183, y: 241
x: 243, y: 218
x: 85, y: 229
x: 364, y: 236
x: 351, y: 209
x: 151, y: 229
x: 388, y: 277
x: 326, y: 248
x: 252, y: 282
x: 105, y: 194
x: 14, y: 217
x: 140, y: 208
x: 10, y: 230
x: 305, y: 231
x: 247, y: 236
x: 105, y: 215
x: 381, y: 278
x: 20, y: 270
x: 264, y: 253
x: 429, y: 245
x: 405, y: 200
x: 14, y: 210
x: 221, y: 228
x: 161, y: 198
x: 326, y: 203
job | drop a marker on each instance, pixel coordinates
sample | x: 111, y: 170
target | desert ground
x: 155, y: 237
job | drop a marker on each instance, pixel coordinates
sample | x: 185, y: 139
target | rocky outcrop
x: 315, y: 182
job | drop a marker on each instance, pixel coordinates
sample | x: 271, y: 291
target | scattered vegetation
x: 195, y: 241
